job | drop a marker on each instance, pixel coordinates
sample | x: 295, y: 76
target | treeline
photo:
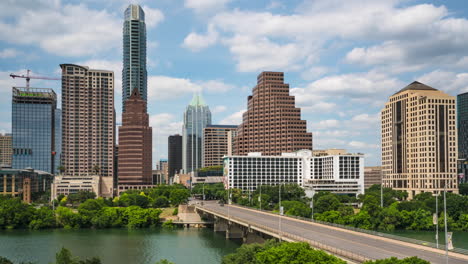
x: 273, y: 252
x: 131, y: 210
x: 397, y: 213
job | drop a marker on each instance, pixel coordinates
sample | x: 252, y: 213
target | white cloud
x: 196, y: 42
x: 9, y: 53
x: 152, y: 16
x: 202, y: 6
x: 218, y: 109
x: 164, y: 87
x: 233, y: 119
x: 164, y: 125
x: 326, y: 124
x: 450, y: 82
x: 362, y: 145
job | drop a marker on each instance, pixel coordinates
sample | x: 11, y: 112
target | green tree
x: 64, y: 256
x: 295, y: 253
x: 463, y: 188
x: 179, y: 196
x: 393, y: 260
x: 161, y: 202
x: 327, y: 202
x: 164, y: 261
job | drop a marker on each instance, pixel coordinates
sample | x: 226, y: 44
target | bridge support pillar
x: 234, y: 231
x: 220, y: 225
x: 252, y: 236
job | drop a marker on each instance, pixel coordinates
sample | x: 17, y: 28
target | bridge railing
x: 314, y: 244
x: 371, y: 232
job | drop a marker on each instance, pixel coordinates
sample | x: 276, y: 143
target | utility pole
x: 445, y: 223
x: 260, y: 197
x: 280, y: 211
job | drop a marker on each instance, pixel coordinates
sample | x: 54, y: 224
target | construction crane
x: 28, y: 78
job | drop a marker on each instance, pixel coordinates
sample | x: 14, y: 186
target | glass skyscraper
x: 196, y: 117
x: 462, y: 126
x: 33, y: 128
x: 134, y: 73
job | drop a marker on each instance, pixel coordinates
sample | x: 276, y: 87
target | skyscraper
x: 196, y: 117
x: 58, y: 140
x: 33, y: 128
x: 174, y: 154
x: 419, y: 141
x: 6, y: 150
x: 272, y: 124
x: 134, y: 73
x: 462, y: 119
x: 217, y: 142
x: 135, y: 144
x: 88, y: 122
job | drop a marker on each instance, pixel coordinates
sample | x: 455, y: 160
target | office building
x: 462, y: 127
x: 6, y: 150
x: 196, y: 117
x: 272, y: 124
x: 335, y: 173
x: 328, y: 152
x: 88, y: 123
x: 58, y: 140
x: 33, y: 128
x: 135, y: 143
x: 218, y: 141
x: 174, y: 153
x: 24, y: 182
x: 161, y: 174
x: 67, y: 185
x: 372, y: 175
x: 419, y: 141
x: 134, y: 73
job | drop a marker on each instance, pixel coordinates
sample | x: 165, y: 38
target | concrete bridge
x: 255, y: 226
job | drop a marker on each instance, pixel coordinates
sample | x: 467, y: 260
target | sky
x: 342, y: 59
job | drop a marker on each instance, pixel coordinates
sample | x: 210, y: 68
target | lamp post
x: 437, y: 220
x: 260, y: 197
x: 280, y: 212
x: 445, y: 223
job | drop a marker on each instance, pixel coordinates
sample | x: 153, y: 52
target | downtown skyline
x: 341, y: 85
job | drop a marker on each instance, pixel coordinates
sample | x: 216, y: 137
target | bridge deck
x: 332, y: 239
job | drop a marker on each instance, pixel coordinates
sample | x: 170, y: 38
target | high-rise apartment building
x: 88, y: 123
x: 218, y: 141
x: 272, y: 124
x: 419, y: 141
x: 33, y: 128
x: 6, y: 150
x: 196, y: 117
x: 174, y: 154
x: 462, y: 126
x: 135, y: 144
x: 134, y: 73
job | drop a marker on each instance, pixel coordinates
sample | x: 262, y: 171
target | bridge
x: 255, y: 226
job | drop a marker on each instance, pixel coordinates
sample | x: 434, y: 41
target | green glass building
x: 134, y: 73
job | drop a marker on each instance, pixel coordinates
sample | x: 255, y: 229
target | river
x: 118, y: 246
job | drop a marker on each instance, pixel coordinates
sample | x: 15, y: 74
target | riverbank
x: 119, y: 246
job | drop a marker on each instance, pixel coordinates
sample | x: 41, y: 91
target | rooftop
x: 415, y: 86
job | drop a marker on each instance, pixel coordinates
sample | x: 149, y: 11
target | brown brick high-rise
x: 135, y: 143
x: 272, y: 124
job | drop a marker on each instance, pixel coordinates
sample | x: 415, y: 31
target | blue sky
x: 342, y: 59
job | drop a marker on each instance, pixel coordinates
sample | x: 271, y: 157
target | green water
x: 118, y: 246
x: 459, y: 239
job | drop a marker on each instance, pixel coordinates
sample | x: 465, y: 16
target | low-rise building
x: 342, y: 173
x: 101, y: 186
x: 25, y: 182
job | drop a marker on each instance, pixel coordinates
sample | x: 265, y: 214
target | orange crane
x: 28, y: 77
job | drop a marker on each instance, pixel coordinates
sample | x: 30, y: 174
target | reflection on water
x: 118, y: 246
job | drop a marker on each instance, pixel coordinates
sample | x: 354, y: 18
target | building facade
x: 6, y: 150
x: 16, y: 182
x: 72, y: 184
x: 33, y: 128
x: 58, y: 140
x: 372, y: 175
x: 218, y: 141
x: 174, y: 154
x: 462, y: 127
x: 135, y: 143
x: 419, y: 141
x: 88, y: 122
x: 196, y: 117
x: 134, y: 73
x: 336, y: 173
x: 272, y: 124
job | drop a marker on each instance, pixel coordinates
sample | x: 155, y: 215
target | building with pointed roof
x: 419, y: 141
x: 196, y: 117
x: 272, y: 123
x: 135, y: 144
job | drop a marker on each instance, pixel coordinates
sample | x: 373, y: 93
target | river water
x: 118, y: 246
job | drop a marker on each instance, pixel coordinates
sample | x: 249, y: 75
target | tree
x: 179, y: 196
x: 161, y: 202
x: 64, y: 256
x: 463, y: 188
x: 246, y: 254
x: 327, y: 202
x: 393, y: 260
x: 295, y: 253
x: 164, y: 261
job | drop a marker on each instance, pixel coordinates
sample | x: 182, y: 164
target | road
x: 367, y: 245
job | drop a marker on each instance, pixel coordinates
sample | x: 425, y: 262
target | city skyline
x: 341, y: 85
